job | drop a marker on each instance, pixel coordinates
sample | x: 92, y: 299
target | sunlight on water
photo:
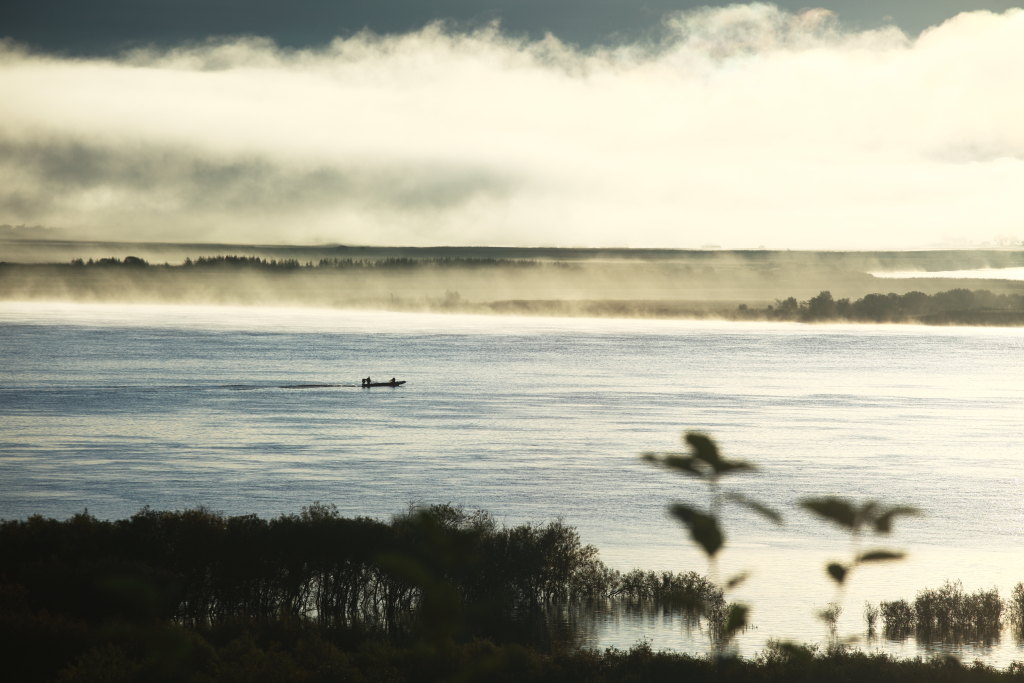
x: 975, y: 274
x: 298, y: 319
x: 257, y: 410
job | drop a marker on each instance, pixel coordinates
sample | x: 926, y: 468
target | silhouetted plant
x: 197, y: 595
x: 1016, y: 611
x: 830, y: 615
x: 706, y: 464
x: 946, y: 614
x: 951, y: 615
x: 871, y: 613
x: 688, y: 590
x: 854, y: 519
x: 897, y: 618
x: 871, y: 515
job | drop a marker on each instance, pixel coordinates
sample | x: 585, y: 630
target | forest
x: 436, y: 593
x: 955, y: 306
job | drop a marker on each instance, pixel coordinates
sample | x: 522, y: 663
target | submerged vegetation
x: 199, y: 568
x: 949, y: 614
x: 75, y: 593
x: 437, y: 593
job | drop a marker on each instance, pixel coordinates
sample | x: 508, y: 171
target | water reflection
x: 621, y: 624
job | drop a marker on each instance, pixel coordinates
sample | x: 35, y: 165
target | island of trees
x: 955, y: 306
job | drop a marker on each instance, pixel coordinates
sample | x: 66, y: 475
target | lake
x: 111, y: 408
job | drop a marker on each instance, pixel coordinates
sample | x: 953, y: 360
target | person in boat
x: 392, y: 380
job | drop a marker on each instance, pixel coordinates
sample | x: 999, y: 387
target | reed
x: 897, y: 618
x: 871, y: 614
x: 689, y: 590
x: 952, y: 615
x: 1015, y: 610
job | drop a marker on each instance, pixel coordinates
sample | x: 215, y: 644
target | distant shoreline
x: 654, y: 284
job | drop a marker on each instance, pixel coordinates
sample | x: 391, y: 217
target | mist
x: 593, y: 283
x: 744, y: 127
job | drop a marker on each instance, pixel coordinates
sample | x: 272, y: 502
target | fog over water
x: 786, y: 152
x: 114, y: 407
x: 977, y: 274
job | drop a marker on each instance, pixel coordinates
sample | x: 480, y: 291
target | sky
x: 591, y: 123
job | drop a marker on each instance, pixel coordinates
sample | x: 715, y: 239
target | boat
x: 393, y: 383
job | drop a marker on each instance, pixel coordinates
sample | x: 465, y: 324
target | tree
x: 821, y: 307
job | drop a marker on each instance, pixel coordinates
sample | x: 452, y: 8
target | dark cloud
x: 105, y: 27
x: 162, y: 191
x: 64, y: 169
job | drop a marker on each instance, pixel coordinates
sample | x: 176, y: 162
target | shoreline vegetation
x: 742, y: 286
x: 436, y: 593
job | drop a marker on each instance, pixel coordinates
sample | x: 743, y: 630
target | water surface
x: 112, y: 408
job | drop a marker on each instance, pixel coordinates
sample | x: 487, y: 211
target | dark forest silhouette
x: 948, y: 307
x: 438, y: 593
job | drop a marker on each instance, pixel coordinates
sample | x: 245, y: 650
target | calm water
x: 112, y: 408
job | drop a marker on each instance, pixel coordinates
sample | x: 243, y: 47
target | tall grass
x: 897, y: 619
x: 1015, y: 611
x: 952, y: 615
x: 949, y: 614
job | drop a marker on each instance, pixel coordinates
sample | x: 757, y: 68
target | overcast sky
x: 516, y: 122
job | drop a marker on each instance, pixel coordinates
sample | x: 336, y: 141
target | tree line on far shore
x: 88, y: 279
x: 227, y: 261
x: 955, y: 305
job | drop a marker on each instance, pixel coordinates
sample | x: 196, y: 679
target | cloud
x: 743, y: 126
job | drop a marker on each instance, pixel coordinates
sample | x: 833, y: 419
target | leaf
x: 705, y: 450
x: 736, y: 580
x: 833, y: 509
x: 836, y: 571
x: 880, y: 556
x: 675, y: 461
x: 883, y: 523
x: 868, y: 511
x: 737, y: 619
x: 734, y: 466
x: 704, y: 529
x: 763, y: 510
x: 682, y: 462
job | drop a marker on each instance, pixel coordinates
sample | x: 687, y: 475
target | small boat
x: 392, y: 383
